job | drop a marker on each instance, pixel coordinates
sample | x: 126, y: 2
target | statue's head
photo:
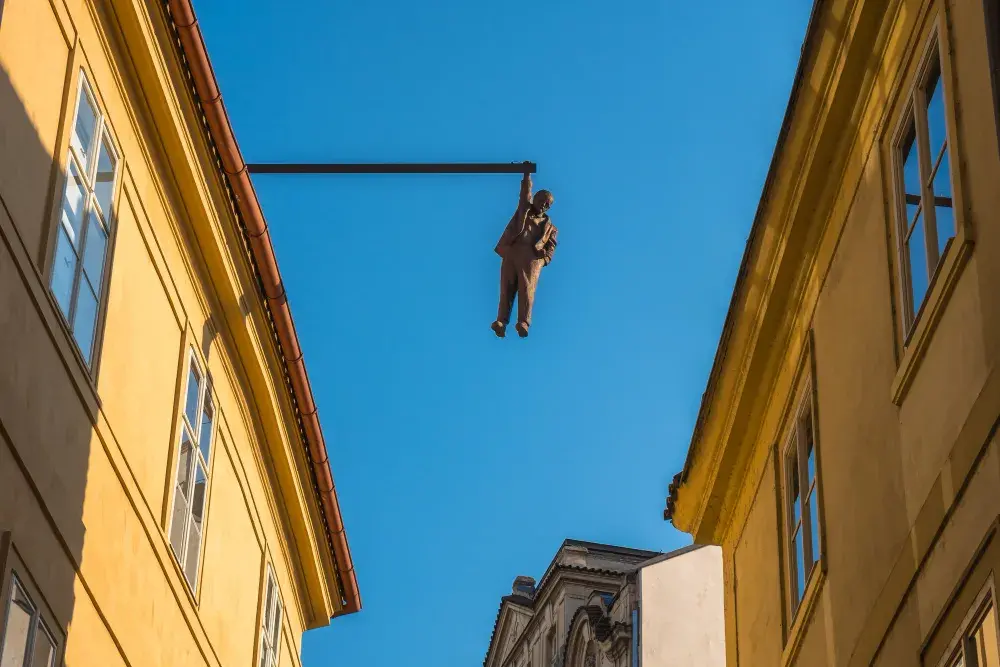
x: 542, y: 201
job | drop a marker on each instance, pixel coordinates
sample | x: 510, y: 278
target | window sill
x: 796, y: 633
x: 944, y: 281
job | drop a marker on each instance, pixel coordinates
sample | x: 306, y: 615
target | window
x: 25, y: 640
x: 81, y: 250
x: 193, y: 467
x: 270, y: 626
x: 924, y: 186
x: 978, y: 644
x: 801, y: 493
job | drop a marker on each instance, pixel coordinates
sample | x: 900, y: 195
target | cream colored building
x: 165, y: 493
x: 845, y: 456
x: 599, y: 605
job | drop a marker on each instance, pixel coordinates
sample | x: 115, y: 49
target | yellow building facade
x: 845, y: 454
x: 165, y: 494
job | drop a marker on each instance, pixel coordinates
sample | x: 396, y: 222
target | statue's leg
x: 508, y: 288
x: 527, y: 279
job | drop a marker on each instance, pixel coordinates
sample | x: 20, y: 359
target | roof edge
x: 741, y: 277
x: 233, y: 170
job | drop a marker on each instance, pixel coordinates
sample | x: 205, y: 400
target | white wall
x: 681, y: 615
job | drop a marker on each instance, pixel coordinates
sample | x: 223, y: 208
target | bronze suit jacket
x: 546, y: 238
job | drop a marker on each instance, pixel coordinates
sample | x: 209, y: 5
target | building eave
x: 735, y: 311
x: 249, y: 216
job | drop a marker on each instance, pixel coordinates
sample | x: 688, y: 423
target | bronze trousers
x: 519, y: 272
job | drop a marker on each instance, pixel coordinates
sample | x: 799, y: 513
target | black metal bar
x: 397, y: 168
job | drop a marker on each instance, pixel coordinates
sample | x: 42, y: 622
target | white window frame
x: 183, y: 524
x: 271, y: 617
x: 90, y: 212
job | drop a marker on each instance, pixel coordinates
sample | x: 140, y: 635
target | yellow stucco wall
x: 908, y: 476
x: 87, y: 466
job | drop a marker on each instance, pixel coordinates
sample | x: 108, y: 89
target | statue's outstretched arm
x: 525, y: 190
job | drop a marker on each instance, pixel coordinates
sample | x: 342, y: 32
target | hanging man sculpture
x: 527, y: 244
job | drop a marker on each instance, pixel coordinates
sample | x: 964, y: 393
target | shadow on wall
x: 47, y: 403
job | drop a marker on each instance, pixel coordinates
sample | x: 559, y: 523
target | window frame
x: 206, y: 396
x: 914, y: 118
x: 961, y: 644
x: 267, y: 624
x: 13, y: 569
x: 913, y: 333
x: 103, y: 133
x: 803, y: 393
x: 794, y: 446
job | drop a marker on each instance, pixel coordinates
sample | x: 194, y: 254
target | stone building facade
x: 598, y: 605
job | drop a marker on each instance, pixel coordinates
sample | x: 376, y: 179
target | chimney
x: 523, y: 587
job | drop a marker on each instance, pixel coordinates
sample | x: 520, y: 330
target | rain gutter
x: 235, y: 172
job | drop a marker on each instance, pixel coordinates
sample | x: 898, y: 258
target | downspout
x: 210, y: 97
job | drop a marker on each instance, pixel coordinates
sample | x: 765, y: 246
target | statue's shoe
x: 499, y: 328
x: 522, y: 329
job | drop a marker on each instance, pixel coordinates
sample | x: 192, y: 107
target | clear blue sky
x: 463, y: 460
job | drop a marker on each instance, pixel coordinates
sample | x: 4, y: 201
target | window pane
x: 806, y: 430
x: 935, y: 111
x: 918, y: 265
x: 20, y: 613
x: 196, y: 526
x: 182, y: 495
x: 985, y: 637
x: 104, y: 181
x: 263, y: 652
x: 94, y: 251
x: 73, y: 202
x: 943, y: 204
x: 84, y: 129
x: 193, y: 394
x: 268, y: 602
x: 193, y: 551
x: 911, y: 172
x: 800, y: 568
x: 276, y: 630
x: 85, y: 320
x: 198, y: 497
x: 63, y: 271
x: 814, y: 524
x: 811, y: 460
x: 205, y: 437
x: 44, y: 654
x: 792, y: 471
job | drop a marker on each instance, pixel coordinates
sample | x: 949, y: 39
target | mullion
x: 804, y: 488
x: 926, y: 190
x: 913, y: 223
x: 88, y: 183
x: 193, y: 434
x: 795, y: 526
x: 76, y: 245
x: 189, y: 514
x: 32, y: 631
x: 937, y: 163
x: 78, y: 271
